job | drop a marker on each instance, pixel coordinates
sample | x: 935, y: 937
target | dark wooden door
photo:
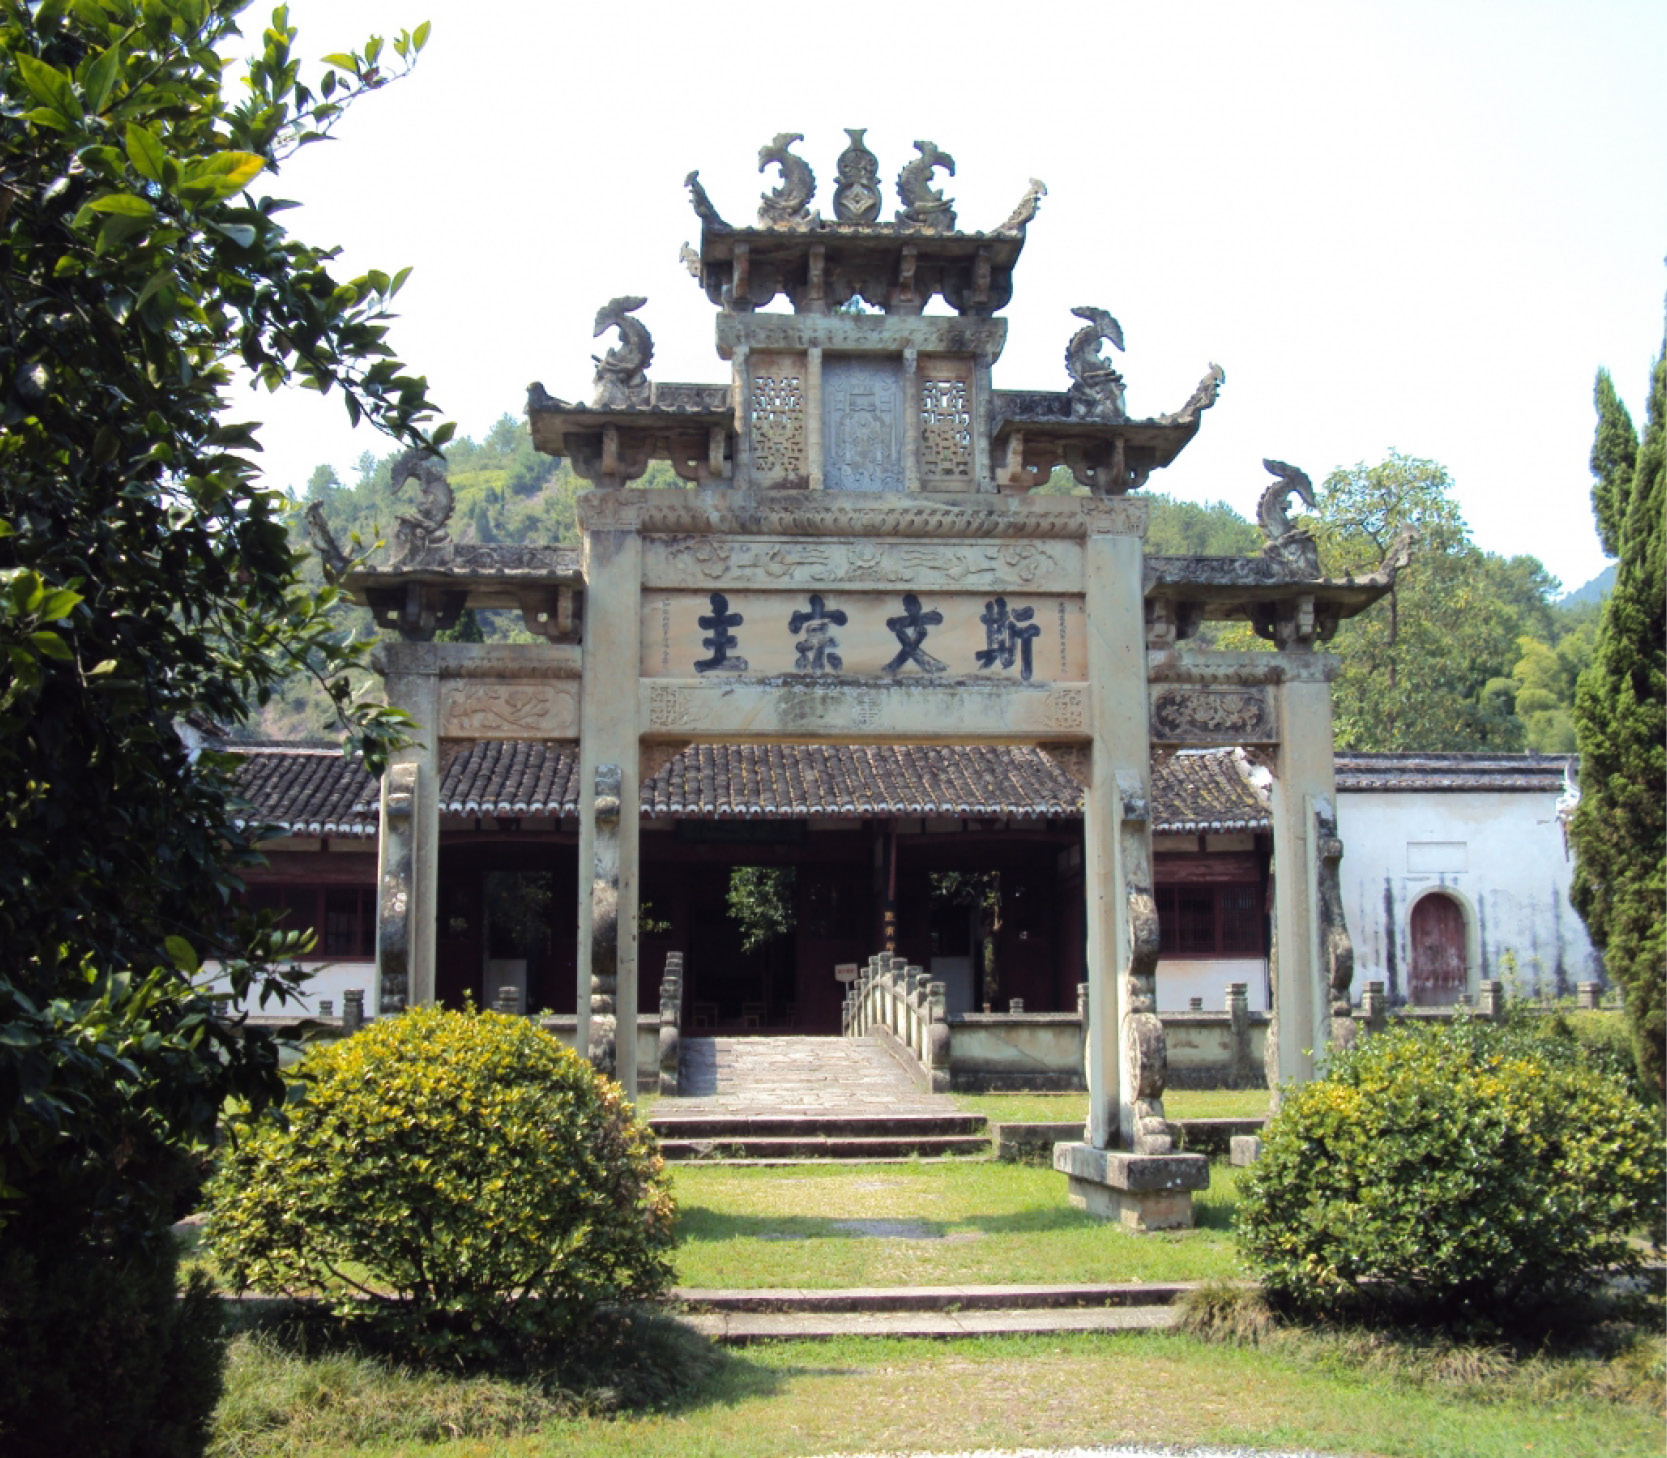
x: 1437, y: 952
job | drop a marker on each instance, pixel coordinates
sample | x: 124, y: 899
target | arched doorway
x: 1438, y: 951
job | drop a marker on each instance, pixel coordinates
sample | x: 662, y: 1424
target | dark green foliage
x: 1614, y: 463
x: 461, y: 1183
x: 1458, y: 1172
x: 146, y: 582
x: 100, y: 1355
x: 1619, y: 831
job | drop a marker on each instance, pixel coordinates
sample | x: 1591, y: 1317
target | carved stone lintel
x: 396, y: 898
x: 857, y: 198
x: 621, y: 378
x: 789, y: 203
x: 1195, y: 715
x: 924, y: 207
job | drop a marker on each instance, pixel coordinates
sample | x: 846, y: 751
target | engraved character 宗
x: 816, y: 648
x: 911, y: 627
x: 718, y: 623
x: 1008, y: 634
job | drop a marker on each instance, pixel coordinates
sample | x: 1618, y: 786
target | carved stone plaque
x: 476, y: 710
x: 862, y: 424
x: 734, y: 562
x: 1192, y: 714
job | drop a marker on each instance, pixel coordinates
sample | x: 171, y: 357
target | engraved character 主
x: 718, y: 623
x: 911, y: 627
x: 816, y: 648
x: 1008, y: 635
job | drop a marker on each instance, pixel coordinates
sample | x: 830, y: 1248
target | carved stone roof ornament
x: 857, y: 198
x: 1025, y: 213
x: 621, y: 378
x: 1287, y: 544
x: 703, y: 204
x: 1096, y: 388
x: 424, y: 527
x: 924, y: 206
x: 1200, y: 400
x: 790, y: 202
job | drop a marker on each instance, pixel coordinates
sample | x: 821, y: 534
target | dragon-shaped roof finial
x: 331, y: 558
x: 790, y: 202
x: 1287, y: 543
x: 621, y: 374
x: 424, y: 527
x: 703, y: 204
x: 857, y: 198
x: 1202, y: 397
x: 923, y: 205
x: 1096, y: 388
x: 1025, y: 213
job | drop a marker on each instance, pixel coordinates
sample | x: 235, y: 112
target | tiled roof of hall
x: 313, y: 790
x: 1453, y: 773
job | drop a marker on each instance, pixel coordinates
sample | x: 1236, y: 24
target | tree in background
x: 1619, y: 831
x: 147, y: 582
x: 1429, y: 667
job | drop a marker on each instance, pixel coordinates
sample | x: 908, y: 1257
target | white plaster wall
x: 329, y: 980
x: 1181, y: 979
x: 1512, y: 881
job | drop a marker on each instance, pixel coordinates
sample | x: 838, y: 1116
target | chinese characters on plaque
x: 898, y: 635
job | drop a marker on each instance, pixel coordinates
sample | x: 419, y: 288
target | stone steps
x: 795, y: 1138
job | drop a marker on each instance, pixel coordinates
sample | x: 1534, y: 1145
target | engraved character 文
x: 718, y: 624
x: 816, y: 648
x: 911, y: 627
x: 1008, y: 635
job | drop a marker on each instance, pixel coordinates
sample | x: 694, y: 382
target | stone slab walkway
x: 739, y: 1327
x: 795, y: 1076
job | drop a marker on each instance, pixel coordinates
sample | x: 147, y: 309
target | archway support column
x: 408, y: 834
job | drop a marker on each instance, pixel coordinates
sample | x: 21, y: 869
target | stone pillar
x: 1490, y: 999
x: 609, y: 803
x: 1303, y: 789
x: 1588, y: 995
x: 1374, y: 1008
x: 1238, y: 1017
x: 408, y: 838
x: 938, y: 1039
x: 1126, y: 1170
x: 353, y: 1010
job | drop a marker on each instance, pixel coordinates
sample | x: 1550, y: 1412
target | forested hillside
x: 1471, y: 651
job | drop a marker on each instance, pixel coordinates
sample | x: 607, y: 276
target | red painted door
x: 1437, y: 952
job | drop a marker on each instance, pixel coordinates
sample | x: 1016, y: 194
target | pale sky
x: 1419, y: 226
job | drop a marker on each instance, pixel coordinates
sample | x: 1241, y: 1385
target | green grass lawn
x: 928, y: 1225
x: 1181, y: 1103
x: 772, y: 1401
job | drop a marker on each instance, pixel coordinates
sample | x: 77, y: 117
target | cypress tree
x: 1614, y: 462
x: 1619, y: 829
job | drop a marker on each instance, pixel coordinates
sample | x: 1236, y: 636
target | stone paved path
x: 796, y: 1076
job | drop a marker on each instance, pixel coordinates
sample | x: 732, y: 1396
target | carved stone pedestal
x: 1140, y: 1191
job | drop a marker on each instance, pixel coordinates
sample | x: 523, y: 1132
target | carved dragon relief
x: 1287, y: 544
x: 621, y: 373
x: 857, y: 198
x: 1096, y: 388
x: 1144, y: 1043
x: 789, y: 203
x: 1200, y: 400
x: 424, y: 527
x: 924, y: 206
x: 331, y: 558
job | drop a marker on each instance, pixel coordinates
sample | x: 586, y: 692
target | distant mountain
x: 1594, y: 591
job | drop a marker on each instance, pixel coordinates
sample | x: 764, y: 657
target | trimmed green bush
x: 462, y: 1181
x: 1458, y: 1171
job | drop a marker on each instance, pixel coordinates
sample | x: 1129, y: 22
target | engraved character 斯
x: 1008, y: 635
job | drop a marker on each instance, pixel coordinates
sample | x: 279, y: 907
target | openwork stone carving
x: 1292, y: 548
x: 1201, y: 398
x: 621, y: 378
x: 776, y: 419
x: 788, y: 203
x: 1211, y: 715
x: 857, y: 198
x: 1096, y: 388
x: 1025, y: 213
x: 425, y: 527
x: 924, y: 206
x: 946, y: 429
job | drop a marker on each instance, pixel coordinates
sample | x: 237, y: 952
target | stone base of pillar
x: 1244, y: 1148
x: 1139, y: 1191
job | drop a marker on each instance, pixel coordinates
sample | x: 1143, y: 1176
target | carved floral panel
x: 1193, y: 714
x: 470, y: 709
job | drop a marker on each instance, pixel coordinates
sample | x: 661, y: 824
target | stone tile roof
x: 314, y: 791
x: 1547, y: 773
x: 306, y: 790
